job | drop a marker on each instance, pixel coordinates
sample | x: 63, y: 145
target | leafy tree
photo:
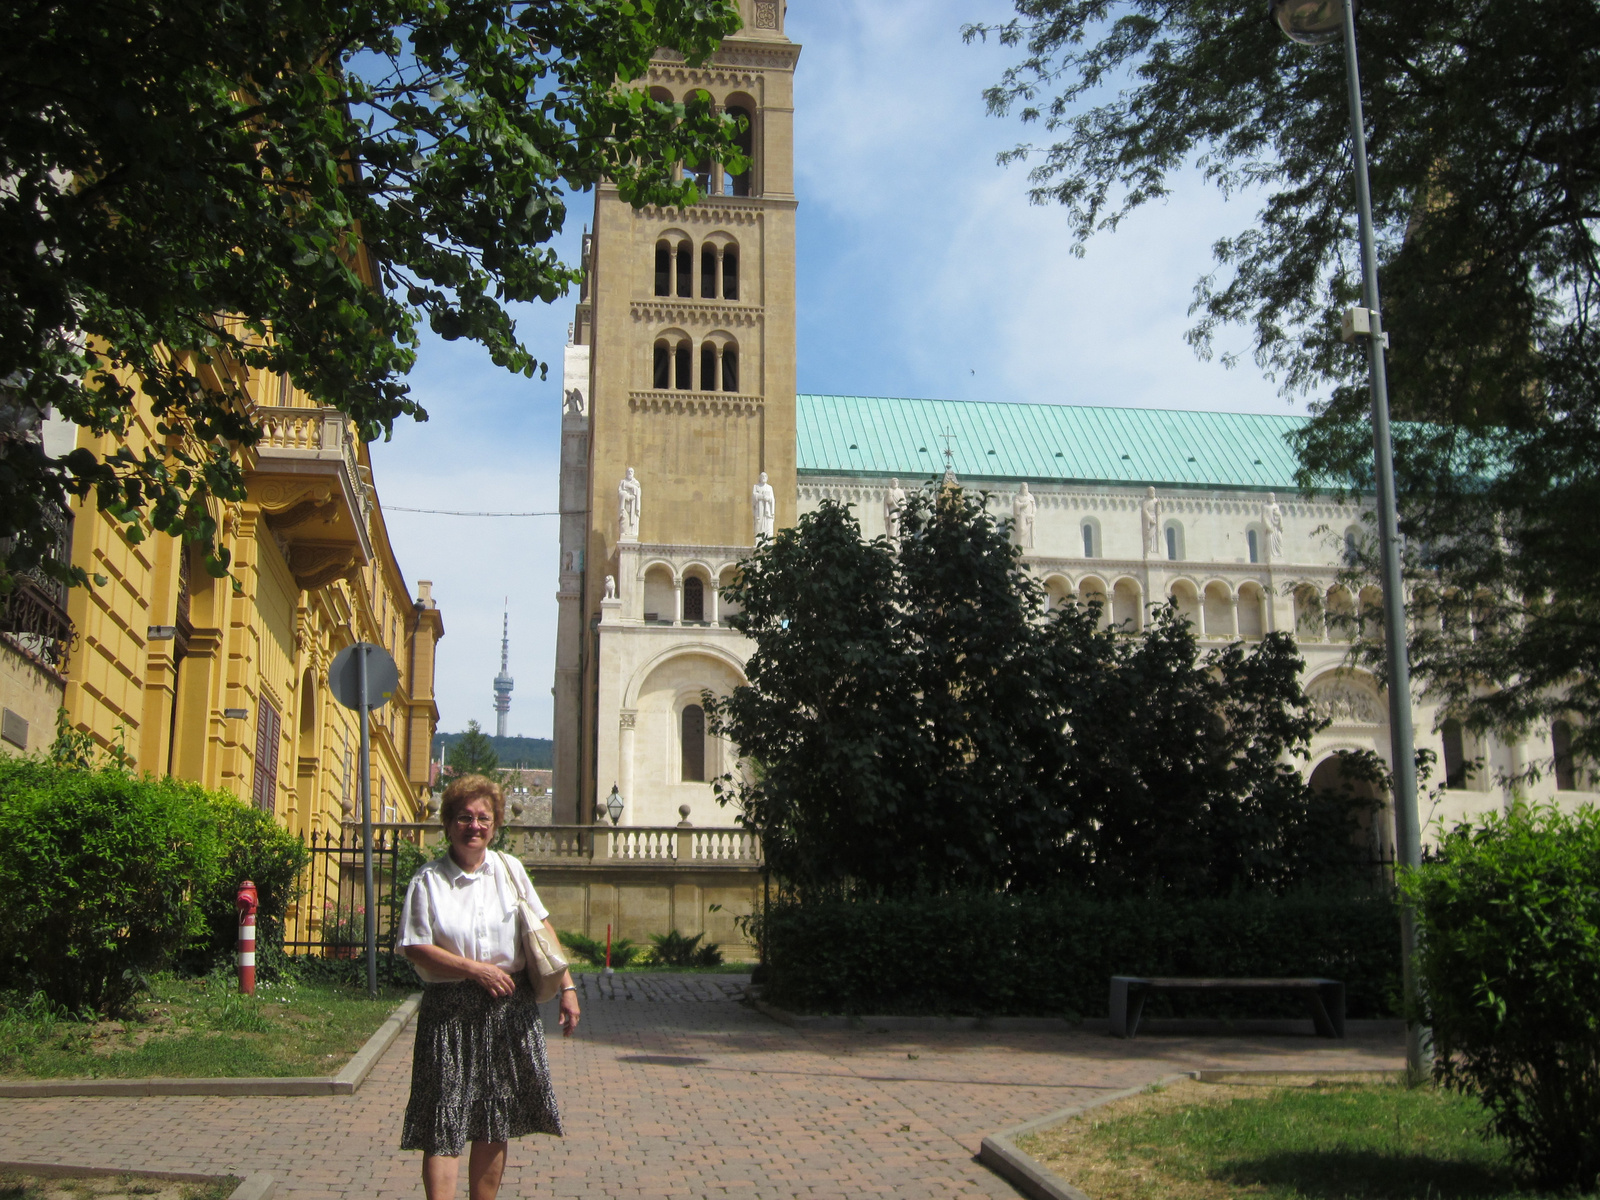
x: 290, y: 186
x: 1484, y: 141
x: 922, y: 724
x: 472, y: 754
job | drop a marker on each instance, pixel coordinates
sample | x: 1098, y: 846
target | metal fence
x: 332, y: 906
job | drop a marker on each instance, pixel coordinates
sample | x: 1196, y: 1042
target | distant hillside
x: 537, y: 753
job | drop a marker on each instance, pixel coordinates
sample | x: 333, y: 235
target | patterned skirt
x: 479, y: 1072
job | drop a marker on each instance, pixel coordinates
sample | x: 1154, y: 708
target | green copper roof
x: 876, y: 435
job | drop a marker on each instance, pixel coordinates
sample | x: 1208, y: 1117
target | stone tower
x: 687, y: 332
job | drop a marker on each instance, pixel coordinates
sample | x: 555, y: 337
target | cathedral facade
x: 683, y: 441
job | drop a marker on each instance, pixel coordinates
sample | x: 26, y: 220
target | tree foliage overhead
x: 1483, y: 125
x: 918, y: 722
x: 198, y: 187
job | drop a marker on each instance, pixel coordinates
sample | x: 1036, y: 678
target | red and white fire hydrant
x: 247, y: 904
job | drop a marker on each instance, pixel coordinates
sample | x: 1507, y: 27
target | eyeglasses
x: 473, y: 822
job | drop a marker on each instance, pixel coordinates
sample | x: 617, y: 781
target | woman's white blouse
x: 470, y: 913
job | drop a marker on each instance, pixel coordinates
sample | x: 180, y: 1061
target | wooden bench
x: 1324, y: 998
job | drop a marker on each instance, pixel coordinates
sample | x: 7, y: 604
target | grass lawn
x: 199, y: 1028
x: 17, y: 1185
x: 1281, y: 1139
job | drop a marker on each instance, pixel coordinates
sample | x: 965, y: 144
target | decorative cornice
x: 665, y: 311
x: 696, y: 403
x: 718, y: 210
x: 869, y: 487
x: 738, y: 54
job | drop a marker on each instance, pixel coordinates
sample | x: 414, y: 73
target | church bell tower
x: 687, y: 330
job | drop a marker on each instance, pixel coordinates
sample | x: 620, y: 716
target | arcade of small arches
x: 711, y: 178
x: 673, y: 365
x: 1215, y: 609
x: 718, y: 262
x: 687, y: 594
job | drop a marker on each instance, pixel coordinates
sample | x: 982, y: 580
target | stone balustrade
x: 688, y: 847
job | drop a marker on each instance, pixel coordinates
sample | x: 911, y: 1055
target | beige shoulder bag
x: 545, y: 962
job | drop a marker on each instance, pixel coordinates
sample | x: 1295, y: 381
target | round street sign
x: 344, y: 676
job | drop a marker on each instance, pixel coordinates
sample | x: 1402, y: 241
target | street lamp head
x: 1309, y: 22
x: 614, y: 805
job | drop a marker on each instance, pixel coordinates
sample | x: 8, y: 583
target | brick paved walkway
x: 672, y: 1091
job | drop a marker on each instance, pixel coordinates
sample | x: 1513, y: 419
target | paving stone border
x: 257, y: 1186
x: 349, y: 1078
x: 999, y: 1151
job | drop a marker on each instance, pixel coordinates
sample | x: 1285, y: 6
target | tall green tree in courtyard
x: 920, y: 723
x: 472, y: 754
x: 295, y: 186
x: 1484, y: 142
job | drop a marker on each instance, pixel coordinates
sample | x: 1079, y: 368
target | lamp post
x: 1320, y: 23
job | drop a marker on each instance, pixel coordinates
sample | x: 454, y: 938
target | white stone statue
x: 1023, y: 508
x: 611, y: 587
x: 1272, y: 518
x: 763, y: 507
x: 629, y: 500
x: 894, y: 503
x: 1150, y: 523
x: 572, y: 402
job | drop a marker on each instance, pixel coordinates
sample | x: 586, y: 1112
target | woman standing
x: 478, y: 1073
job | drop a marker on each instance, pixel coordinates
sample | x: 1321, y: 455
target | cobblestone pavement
x: 671, y: 1091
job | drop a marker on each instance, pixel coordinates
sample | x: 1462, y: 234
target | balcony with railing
x: 307, y: 478
x: 33, y: 617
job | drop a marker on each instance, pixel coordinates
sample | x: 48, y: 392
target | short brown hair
x: 468, y: 788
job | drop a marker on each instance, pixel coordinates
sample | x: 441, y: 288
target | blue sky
x: 923, y: 271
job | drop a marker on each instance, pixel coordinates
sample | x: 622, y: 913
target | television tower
x: 503, y: 681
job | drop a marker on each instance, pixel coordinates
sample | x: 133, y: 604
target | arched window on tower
x: 708, y: 366
x: 1174, y: 551
x: 663, y: 366
x: 685, y: 269
x: 693, y: 734
x: 708, y: 271
x: 739, y: 185
x: 1252, y: 545
x: 694, y: 599
x: 663, y: 268
x: 730, y: 368
x: 684, y: 380
x: 1088, y: 540
x: 730, y: 272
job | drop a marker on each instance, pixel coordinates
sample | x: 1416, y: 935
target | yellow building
x: 224, y: 681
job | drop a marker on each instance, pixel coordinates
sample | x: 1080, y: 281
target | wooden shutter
x: 269, y: 731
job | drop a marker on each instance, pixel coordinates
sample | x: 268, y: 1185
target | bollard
x: 608, y: 950
x: 247, y: 904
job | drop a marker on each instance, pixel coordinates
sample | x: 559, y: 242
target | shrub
x: 103, y: 878
x: 257, y: 848
x: 675, y: 950
x: 623, y: 951
x: 997, y: 955
x: 1509, y: 922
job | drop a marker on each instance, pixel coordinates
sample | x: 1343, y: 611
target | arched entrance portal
x: 1375, y: 834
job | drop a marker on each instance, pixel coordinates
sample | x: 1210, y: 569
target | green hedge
x: 1054, y: 955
